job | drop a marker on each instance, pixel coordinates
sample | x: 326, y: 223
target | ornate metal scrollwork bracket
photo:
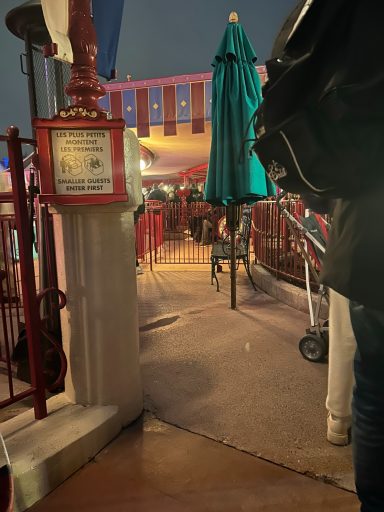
x: 56, y: 345
x: 79, y: 113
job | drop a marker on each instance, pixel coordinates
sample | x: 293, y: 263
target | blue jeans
x: 368, y: 407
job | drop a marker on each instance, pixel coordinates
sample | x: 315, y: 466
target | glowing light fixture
x: 146, y: 158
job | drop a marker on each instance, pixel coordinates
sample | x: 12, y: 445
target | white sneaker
x: 338, y: 431
x: 139, y: 270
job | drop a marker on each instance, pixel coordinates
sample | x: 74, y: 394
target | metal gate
x: 21, y: 327
x: 178, y: 232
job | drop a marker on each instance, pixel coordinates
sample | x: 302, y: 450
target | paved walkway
x: 236, y: 376
x: 154, y: 467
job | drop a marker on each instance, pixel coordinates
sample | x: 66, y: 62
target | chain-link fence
x: 50, y: 78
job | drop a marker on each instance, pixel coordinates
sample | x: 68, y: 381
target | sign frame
x: 48, y: 194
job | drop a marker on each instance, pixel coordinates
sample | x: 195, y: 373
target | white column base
x: 62, y: 443
x: 95, y: 251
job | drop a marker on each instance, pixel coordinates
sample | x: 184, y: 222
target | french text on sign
x: 82, y: 161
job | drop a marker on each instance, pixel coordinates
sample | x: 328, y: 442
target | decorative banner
x: 169, y: 98
x: 82, y: 162
x: 198, y: 110
x: 183, y: 100
x: 107, y: 21
x: 56, y: 17
x: 208, y: 100
x: 104, y: 102
x: 129, y: 108
x: 116, y: 104
x: 164, y: 101
x: 142, y: 110
x: 156, y: 106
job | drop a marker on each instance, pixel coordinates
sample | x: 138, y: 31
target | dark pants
x: 196, y: 225
x: 368, y: 407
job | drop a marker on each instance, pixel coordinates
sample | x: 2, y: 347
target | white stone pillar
x: 95, y: 251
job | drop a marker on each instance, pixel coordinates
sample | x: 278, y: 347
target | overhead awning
x: 171, y: 116
x: 167, y: 102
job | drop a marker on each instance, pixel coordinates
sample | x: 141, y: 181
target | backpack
x: 320, y: 129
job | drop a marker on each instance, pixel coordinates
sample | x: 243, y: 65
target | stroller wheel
x: 313, y: 348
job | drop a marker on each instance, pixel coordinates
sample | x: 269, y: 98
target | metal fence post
x: 150, y: 215
x: 278, y: 242
x: 154, y: 213
x: 31, y: 311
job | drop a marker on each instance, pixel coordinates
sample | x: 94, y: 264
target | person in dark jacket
x: 353, y: 268
x: 157, y: 194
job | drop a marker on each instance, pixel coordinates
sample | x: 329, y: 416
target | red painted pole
x: 84, y: 86
x: 27, y: 272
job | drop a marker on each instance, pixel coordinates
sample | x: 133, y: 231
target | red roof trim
x: 201, y: 170
x: 178, y: 79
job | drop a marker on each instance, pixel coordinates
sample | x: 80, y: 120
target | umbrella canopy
x: 235, y: 175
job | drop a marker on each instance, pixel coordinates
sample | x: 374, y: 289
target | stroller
x: 314, y: 345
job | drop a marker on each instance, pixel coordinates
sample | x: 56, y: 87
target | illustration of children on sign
x: 93, y: 165
x: 70, y: 164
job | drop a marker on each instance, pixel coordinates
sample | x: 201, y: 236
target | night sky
x: 158, y: 38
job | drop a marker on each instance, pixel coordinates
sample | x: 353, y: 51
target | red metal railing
x: 10, y: 293
x: 172, y: 233
x: 28, y: 284
x: 149, y: 232
x: 22, y: 330
x: 177, y: 233
x: 274, y: 244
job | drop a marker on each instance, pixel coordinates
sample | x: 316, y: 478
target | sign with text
x: 82, y: 161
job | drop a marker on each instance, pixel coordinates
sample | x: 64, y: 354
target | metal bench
x: 221, y: 249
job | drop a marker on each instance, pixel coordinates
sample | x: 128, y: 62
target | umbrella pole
x: 231, y: 220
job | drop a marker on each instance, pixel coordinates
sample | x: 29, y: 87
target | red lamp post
x: 81, y: 152
x: 84, y: 86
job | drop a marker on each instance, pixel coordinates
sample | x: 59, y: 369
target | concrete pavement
x: 154, y: 467
x: 236, y: 376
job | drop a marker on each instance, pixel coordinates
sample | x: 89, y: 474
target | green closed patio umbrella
x: 235, y: 175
